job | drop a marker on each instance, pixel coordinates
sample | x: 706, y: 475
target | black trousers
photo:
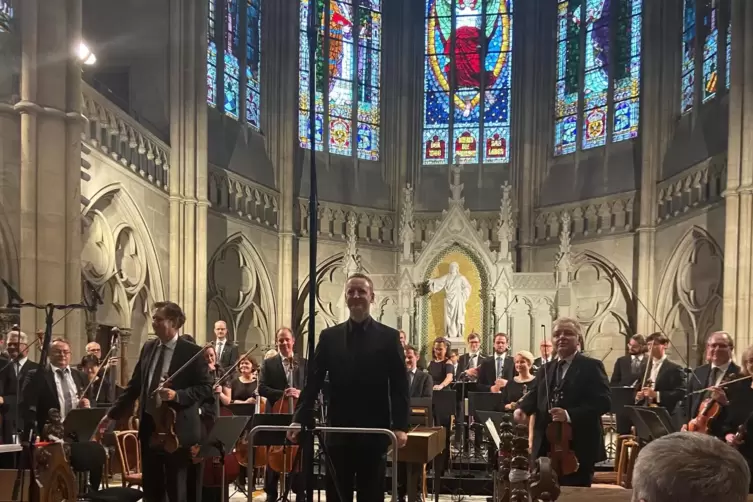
x: 582, y: 477
x: 359, y: 465
x: 171, y: 474
x: 272, y: 479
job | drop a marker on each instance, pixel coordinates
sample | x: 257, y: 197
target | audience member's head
x: 689, y: 466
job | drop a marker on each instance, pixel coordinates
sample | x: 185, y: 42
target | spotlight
x: 85, y: 55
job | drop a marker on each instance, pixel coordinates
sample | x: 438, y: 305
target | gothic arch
x: 247, y: 306
x: 8, y: 255
x: 119, y: 259
x: 689, y: 298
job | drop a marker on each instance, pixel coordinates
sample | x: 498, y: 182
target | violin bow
x: 722, y: 384
x: 237, y: 363
x: 546, y: 376
x: 170, y: 378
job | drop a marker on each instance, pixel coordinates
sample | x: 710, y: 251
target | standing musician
x: 419, y: 382
x: 244, y: 388
x: 628, y: 370
x: 282, y: 377
x: 519, y: 385
x: 720, y: 367
x: 172, y: 474
x: 368, y: 389
x: 581, y: 384
x: 209, y: 411
x: 495, y: 371
x: 473, y: 358
x: 227, y: 351
x: 545, y: 349
x: 737, y: 420
x: 12, y: 377
x: 440, y: 368
x: 665, y: 386
x: 98, y: 392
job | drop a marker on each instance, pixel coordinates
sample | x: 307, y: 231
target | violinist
x: 172, y: 474
x: 209, y: 412
x: 220, y: 392
x: 737, y: 424
x: 227, y: 351
x: 282, y: 376
x: 98, y: 384
x: 720, y: 367
x: 628, y: 371
x: 665, y: 383
x: 579, y: 388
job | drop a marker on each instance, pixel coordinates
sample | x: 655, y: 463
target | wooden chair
x: 129, y: 452
x: 629, y: 448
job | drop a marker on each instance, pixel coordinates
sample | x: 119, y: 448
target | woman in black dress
x: 440, y: 368
x: 243, y: 388
x: 523, y: 381
x: 738, y: 420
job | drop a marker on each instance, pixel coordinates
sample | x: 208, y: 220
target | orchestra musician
x: 227, y: 351
x: 581, y: 385
x: 98, y: 382
x: 628, y: 370
x: 368, y: 388
x: 519, y: 385
x: 244, y: 387
x: 282, y: 376
x: 440, y: 368
x: 737, y: 419
x: 419, y: 382
x: 64, y: 392
x: 545, y: 349
x: 171, y: 474
x: 12, y: 376
x: 209, y: 410
x: 495, y: 371
x: 720, y: 367
x: 473, y: 358
x: 666, y: 380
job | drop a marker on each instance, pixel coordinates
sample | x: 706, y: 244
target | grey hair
x: 688, y: 466
x: 22, y: 337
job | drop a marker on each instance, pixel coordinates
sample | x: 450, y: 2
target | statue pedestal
x: 458, y: 344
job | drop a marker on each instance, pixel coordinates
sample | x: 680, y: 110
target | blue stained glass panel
x: 627, y: 81
x: 232, y: 85
x: 6, y: 10
x: 729, y: 53
x: 436, y: 145
x: 688, y: 56
x: 595, y: 128
x: 566, y: 135
x: 569, y: 29
x: 710, y: 52
x: 253, y: 62
x: 369, y: 67
x: 212, y: 74
x: 626, y: 119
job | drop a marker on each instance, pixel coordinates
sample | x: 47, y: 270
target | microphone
x: 114, y: 335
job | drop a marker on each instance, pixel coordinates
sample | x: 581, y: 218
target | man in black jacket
x: 419, y: 382
x: 226, y: 350
x: 579, y: 394
x: 171, y: 474
x: 666, y: 380
x: 628, y: 371
x: 368, y: 388
x: 496, y: 370
x: 12, y: 376
x: 282, y: 377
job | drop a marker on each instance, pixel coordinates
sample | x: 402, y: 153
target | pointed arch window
x: 706, y: 51
x: 233, y: 59
x: 467, y: 81
x: 347, y: 81
x: 597, y: 95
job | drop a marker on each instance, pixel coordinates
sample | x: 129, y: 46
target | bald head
x: 220, y: 330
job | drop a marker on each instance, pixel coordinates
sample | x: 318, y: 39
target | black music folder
x: 225, y: 432
x: 81, y: 423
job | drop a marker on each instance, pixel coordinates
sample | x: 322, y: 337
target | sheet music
x: 10, y: 448
x: 492, y: 431
x: 422, y: 433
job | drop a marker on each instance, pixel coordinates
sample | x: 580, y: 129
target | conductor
x: 368, y: 388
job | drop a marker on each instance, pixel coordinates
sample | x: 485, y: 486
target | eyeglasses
x: 63, y: 352
x: 718, y: 345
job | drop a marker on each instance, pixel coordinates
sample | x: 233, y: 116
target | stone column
x: 651, y: 147
x: 738, y: 271
x: 188, y: 163
x: 124, y: 374
x: 280, y: 123
x: 50, y: 107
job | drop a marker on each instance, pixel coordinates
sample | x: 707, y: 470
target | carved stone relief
x: 240, y: 293
x: 329, y: 280
x: 689, y: 297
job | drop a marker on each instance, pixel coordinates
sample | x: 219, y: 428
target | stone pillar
x: 124, y: 374
x: 652, y: 155
x: 50, y: 107
x: 188, y: 163
x: 738, y: 271
x: 280, y: 122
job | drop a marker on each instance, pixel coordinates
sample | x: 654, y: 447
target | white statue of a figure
x: 457, y: 290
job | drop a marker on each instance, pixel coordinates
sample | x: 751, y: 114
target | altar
x: 457, y: 282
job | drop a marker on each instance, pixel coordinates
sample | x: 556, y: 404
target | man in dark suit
x: 473, y: 358
x: 578, y: 387
x: 719, y: 368
x: 368, y: 388
x: 547, y: 354
x: 419, y: 382
x: 282, y: 377
x: 12, y: 375
x: 495, y: 371
x: 226, y: 350
x: 628, y: 370
x: 666, y: 380
x: 171, y: 474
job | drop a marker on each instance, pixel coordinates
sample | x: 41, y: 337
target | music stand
x: 465, y: 388
x: 222, y: 439
x: 651, y: 422
x: 267, y: 438
x: 621, y: 398
x: 421, y: 407
x: 242, y: 409
x: 81, y: 423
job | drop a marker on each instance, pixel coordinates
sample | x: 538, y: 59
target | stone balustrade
x: 609, y: 215
x: 233, y: 194
x: 118, y: 135
x: 373, y: 226
x: 694, y: 188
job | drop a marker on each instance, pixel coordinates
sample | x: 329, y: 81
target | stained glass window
x: 467, y: 79
x: 706, y: 47
x: 231, y: 63
x: 729, y: 53
x: 6, y: 14
x: 597, y: 94
x: 348, y: 85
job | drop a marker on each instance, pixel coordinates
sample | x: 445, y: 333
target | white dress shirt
x: 219, y: 347
x: 169, y: 351
x: 722, y: 370
x: 72, y: 389
x: 288, y: 369
x: 655, y: 367
x: 19, y: 364
x: 473, y: 360
x: 497, y: 358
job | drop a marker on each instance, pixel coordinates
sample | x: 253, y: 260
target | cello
x: 281, y: 458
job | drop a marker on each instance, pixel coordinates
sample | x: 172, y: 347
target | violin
x: 559, y: 435
x: 708, y: 411
x: 280, y: 458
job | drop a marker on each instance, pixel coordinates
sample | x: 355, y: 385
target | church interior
x: 491, y: 166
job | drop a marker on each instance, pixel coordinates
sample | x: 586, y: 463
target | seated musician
x: 172, y: 474
x: 244, y: 387
x: 282, y: 377
x: 440, y: 369
x: 574, y: 390
x: 665, y: 386
x: 63, y: 390
x: 521, y: 383
x: 720, y: 367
